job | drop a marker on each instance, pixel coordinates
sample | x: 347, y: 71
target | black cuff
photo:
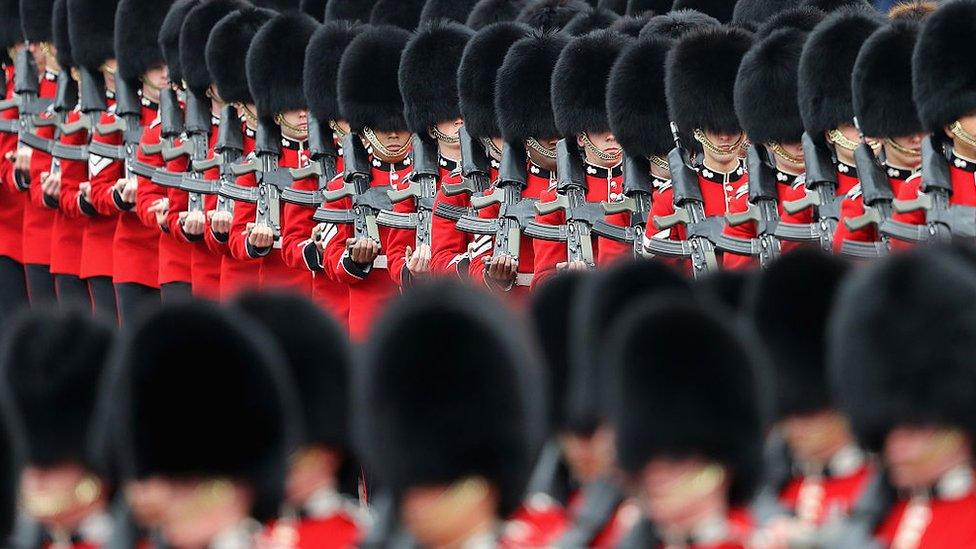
x: 463, y: 268
x: 22, y: 180
x: 313, y: 258
x: 122, y: 205
x: 257, y: 252
x: 51, y: 202
x: 406, y: 277
x: 220, y: 237
x: 191, y: 237
x: 165, y: 228
x: 355, y: 269
x: 86, y: 207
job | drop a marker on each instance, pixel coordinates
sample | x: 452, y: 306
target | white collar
x: 240, y: 536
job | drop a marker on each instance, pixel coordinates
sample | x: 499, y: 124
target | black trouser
x: 175, y: 292
x: 135, y: 300
x: 13, y: 288
x: 40, y: 285
x: 103, y: 297
x: 72, y: 292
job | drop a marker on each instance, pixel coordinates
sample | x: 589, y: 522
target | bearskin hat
x: 322, y: 67
x: 35, y: 19
x: 686, y: 399
x: 486, y: 12
x: 551, y: 15
x: 719, y: 9
x: 169, y: 36
x: 138, y: 45
x: 631, y: 25
x: 803, y: 18
x: 59, y: 31
x: 830, y: 6
x: 617, y: 6
x: 11, y: 31
x: 756, y: 12
x: 901, y: 344
x: 436, y: 415
x: 726, y: 288
x: 590, y: 20
x: 276, y: 63
x: 915, y: 10
x: 676, y: 24
x: 194, y: 34
x: 91, y: 28
x: 369, y: 91
x: 278, y: 5
x: 314, y: 8
x: 482, y: 58
x: 226, y: 52
x: 700, y: 77
x: 766, y: 87
x: 351, y: 10
x: 238, y: 415
x: 882, y: 82
x: 656, y: 7
x: 317, y: 356
x: 826, y: 65
x: 51, y: 364
x: 9, y: 478
x: 433, y: 54
x: 522, y: 88
x: 943, y: 77
x: 794, y: 331
x: 594, y: 317
x: 579, y: 82
x: 453, y: 10
x: 636, y: 104
x: 399, y: 13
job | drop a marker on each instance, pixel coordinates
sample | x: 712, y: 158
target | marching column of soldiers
x: 469, y: 274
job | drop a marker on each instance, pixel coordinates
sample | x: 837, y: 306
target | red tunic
x: 332, y: 528
x: 817, y: 499
x: 103, y: 173
x: 962, y: 173
x: 543, y: 522
x: 448, y: 245
x: 853, y: 206
x: 69, y: 223
x: 945, y: 521
x: 12, y: 201
x: 39, y: 216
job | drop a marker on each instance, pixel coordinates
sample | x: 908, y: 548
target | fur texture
x: 917, y: 370
x: 882, y: 82
x: 766, y: 87
x: 35, y: 19
x: 315, y: 8
x: 399, y: 13
x: 700, y: 77
x: 830, y: 6
x: 719, y: 9
x: 486, y: 12
x: 351, y: 10
x: 803, y: 18
x: 944, y: 77
x: 551, y: 15
x: 482, y: 58
x: 453, y: 10
x: 826, y: 65
x: 439, y: 415
x: 428, y: 74
x: 617, y: 6
x: 11, y: 31
x: 193, y: 40
x: 369, y: 92
x: 579, y: 82
x: 757, y: 12
x: 91, y: 28
x: 59, y: 30
x: 522, y: 90
x: 226, y: 53
x: 676, y: 24
x: 169, y: 36
x: 278, y: 5
x: 631, y: 25
x: 590, y: 20
x: 276, y: 63
x: 636, y: 104
x: 656, y: 7
x: 138, y: 44
x: 322, y: 67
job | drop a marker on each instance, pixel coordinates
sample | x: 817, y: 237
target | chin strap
x: 377, y: 147
x: 914, y: 153
x: 533, y: 144
x: 781, y: 152
x: 435, y: 133
x: 597, y: 151
x: 959, y: 132
x: 733, y: 149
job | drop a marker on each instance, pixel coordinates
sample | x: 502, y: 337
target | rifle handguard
x: 116, y: 126
x: 200, y: 166
x: 810, y: 199
x: 312, y: 170
x: 449, y: 211
x: 667, y: 248
x: 738, y: 246
x: 906, y: 232
x: 559, y: 203
x: 244, y: 168
x: 739, y: 218
x: 627, y: 205
x: 679, y: 217
x: 923, y: 202
x: 396, y: 220
x: 613, y: 232
x: 477, y: 225
x: 308, y: 199
x: 165, y: 178
x: 540, y: 231
x: 797, y: 232
x: 172, y: 153
x: 863, y: 250
x: 78, y: 153
x: 336, y: 217
x: 199, y: 185
x: 871, y: 216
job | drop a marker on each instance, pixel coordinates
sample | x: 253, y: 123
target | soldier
x: 904, y: 386
x: 451, y: 433
x: 369, y: 99
x: 91, y: 29
x: 239, y: 417
x: 320, y: 508
x: 688, y: 424
x: 433, y: 115
x: 51, y: 366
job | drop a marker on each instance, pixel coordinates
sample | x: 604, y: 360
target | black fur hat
x: 766, y: 87
x: 226, y: 53
x: 579, y: 82
x: 433, y: 415
x: 803, y: 18
x: 631, y: 25
x: 551, y: 15
x: 9, y: 478
x: 428, y: 74
x: 276, y: 63
x: 278, y: 5
x: 399, y: 13
x: 322, y: 67
x: 826, y: 65
x: 51, y: 364
x: 830, y: 6
x: 944, y: 78
x: 522, y: 90
x: 757, y: 12
x: 719, y: 9
x: 676, y: 24
x: 169, y: 37
x: 369, y: 92
x: 35, y: 18
x: 91, y: 28
x: 700, y: 77
x: 686, y: 399
x: 351, y: 10
x: 11, y: 31
x: 59, y: 31
x: 901, y: 344
x: 656, y: 7
x: 794, y: 331
x: 315, y: 8
x: 590, y: 20
x: 594, y: 316
x: 482, y: 58
x: 636, y: 104
x: 193, y: 40
x: 882, y: 82
x: 317, y: 356
x: 617, y: 6
x: 194, y: 376
x: 486, y: 12
x: 727, y: 288
x: 138, y: 45
x: 454, y: 10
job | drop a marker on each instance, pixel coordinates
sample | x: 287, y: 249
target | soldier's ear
x: 947, y: 130
x: 579, y: 141
x: 830, y: 140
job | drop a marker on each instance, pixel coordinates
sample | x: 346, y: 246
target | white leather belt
x: 380, y: 262
x: 524, y: 279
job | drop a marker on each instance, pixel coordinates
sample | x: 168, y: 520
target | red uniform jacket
x: 69, y: 223
x: 330, y: 523
x: 853, y: 206
x: 944, y: 522
x: 831, y: 494
x: 39, y: 214
x: 103, y: 173
x: 12, y: 201
x: 448, y: 245
x: 962, y: 172
x: 370, y: 287
x: 400, y: 239
x: 543, y: 522
x: 603, y: 185
x: 237, y: 274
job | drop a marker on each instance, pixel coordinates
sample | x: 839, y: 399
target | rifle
x: 515, y: 212
x: 128, y: 122
x: 422, y: 188
x: 821, y: 191
x: 877, y: 198
x: 325, y: 159
x: 762, y: 210
x: 229, y: 148
x: 93, y: 103
x: 196, y: 145
x: 65, y: 98
x: 581, y: 215
x: 689, y: 211
x: 367, y: 201
x: 29, y: 106
x: 170, y: 128
x: 475, y: 177
x: 636, y: 202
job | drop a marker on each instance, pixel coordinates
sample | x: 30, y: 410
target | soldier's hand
x: 160, y: 208
x: 571, y: 266
x: 193, y: 223
x: 363, y: 250
x: 51, y: 184
x: 318, y: 232
x: 127, y: 189
x: 260, y: 236
x: 220, y: 221
x: 22, y: 159
x: 84, y: 190
x: 501, y: 270
x: 418, y: 262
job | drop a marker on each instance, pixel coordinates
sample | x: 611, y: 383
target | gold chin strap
x: 441, y: 136
x: 374, y: 142
x: 944, y: 442
x: 533, y: 144
x: 902, y: 149
x: 597, y: 151
x: 781, y: 152
x: 248, y: 113
x: 659, y: 162
x: 715, y: 149
x: 210, y: 495
x: 107, y: 69
x: 495, y: 151
x: 280, y: 120
x: 337, y: 129
x: 695, y: 485
x: 841, y: 140
x: 50, y: 504
x: 960, y: 133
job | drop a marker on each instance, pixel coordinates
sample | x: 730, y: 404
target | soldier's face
x: 60, y: 496
x: 917, y: 457
x: 108, y: 71
x: 147, y: 499
x: 311, y: 469
x: 196, y: 511
x: 541, y: 160
x: 588, y: 457
x: 728, y: 144
x: 39, y: 58
x: 851, y: 133
x: 450, y: 128
x: 397, y: 142
x: 896, y: 157
x: 295, y: 124
x: 442, y: 516
x: 795, y: 150
x: 816, y: 437
x: 606, y: 142
x: 678, y: 492
x: 157, y: 79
